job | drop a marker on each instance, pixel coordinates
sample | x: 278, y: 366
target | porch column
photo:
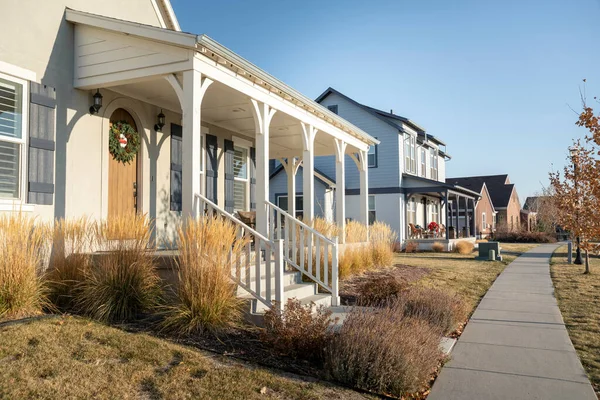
x: 364, y: 188
x: 308, y: 171
x: 340, y: 188
x: 291, y: 167
x: 467, y: 218
x: 447, y: 207
x: 457, y: 219
x: 194, y: 88
x: 263, y: 114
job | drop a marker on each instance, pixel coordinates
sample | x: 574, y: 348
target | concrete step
x: 289, y: 278
x: 255, y: 310
x: 297, y: 290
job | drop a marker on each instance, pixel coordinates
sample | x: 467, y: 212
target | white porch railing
x: 306, y: 249
x: 262, y: 257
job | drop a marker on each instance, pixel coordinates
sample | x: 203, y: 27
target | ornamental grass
x: 205, y: 299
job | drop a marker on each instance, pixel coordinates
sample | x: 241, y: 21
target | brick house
x: 485, y: 213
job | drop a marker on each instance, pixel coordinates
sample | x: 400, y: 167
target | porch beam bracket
x: 291, y: 166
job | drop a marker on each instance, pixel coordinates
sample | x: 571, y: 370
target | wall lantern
x: 97, y: 103
x: 161, y: 122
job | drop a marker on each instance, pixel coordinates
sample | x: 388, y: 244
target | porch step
x: 256, y: 310
x: 289, y: 278
x: 296, y: 290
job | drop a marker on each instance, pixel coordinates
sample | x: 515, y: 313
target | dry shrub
x: 298, y: 331
x: 411, y: 247
x: 381, y: 243
x: 355, y: 260
x: 440, y: 309
x: 464, y: 247
x: 380, y: 290
x: 69, y: 261
x: 356, y: 232
x: 523, y: 237
x: 382, y: 351
x: 206, y: 299
x: 22, y: 246
x: 326, y: 228
x: 122, y: 282
x: 437, y: 247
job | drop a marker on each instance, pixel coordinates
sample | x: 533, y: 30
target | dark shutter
x: 42, y: 125
x: 252, y: 179
x: 211, y: 168
x: 176, y: 166
x: 229, y: 175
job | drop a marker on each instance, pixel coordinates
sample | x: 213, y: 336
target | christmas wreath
x: 124, y: 142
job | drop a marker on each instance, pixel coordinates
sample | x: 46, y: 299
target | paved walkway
x: 516, y: 345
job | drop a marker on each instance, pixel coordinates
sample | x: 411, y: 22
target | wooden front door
x: 122, y: 178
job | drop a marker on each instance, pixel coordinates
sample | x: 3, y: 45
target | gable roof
x: 319, y: 175
x: 532, y: 203
x: 499, y: 191
x: 386, y: 117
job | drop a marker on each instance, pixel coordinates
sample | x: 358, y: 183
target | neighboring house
x: 485, y: 213
x: 503, y: 194
x: 406, y: 173
x: 208, y: 123
x: 528, y: 220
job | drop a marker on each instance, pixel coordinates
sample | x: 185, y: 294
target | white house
x: 208, y: 123
x: 406, y: 176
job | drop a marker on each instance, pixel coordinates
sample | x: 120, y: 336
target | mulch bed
x: 404, y: 274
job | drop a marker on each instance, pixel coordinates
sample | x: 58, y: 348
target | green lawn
x: 462, y: 273
x: 578, y: 298
x: 75, y: 358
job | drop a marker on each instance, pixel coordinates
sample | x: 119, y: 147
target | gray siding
x: 387, y: 173
x: 278, y: 185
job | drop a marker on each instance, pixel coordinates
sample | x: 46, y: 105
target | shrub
x: 440, y: 309
x: 326, y: 228
x: 69, y: 261
x: 206, y: 299
x: 379, y: 291
x: 297, y: 331
x: 464, y: 247
x: 22, y: 245
x: 356, y: 232
x: 411, y: 247
x: 355, y: 260
x: 122, y: 282
x: 381, y: 242
x: 524, y: 237
x: 437, y: 247
x: 384, y: 352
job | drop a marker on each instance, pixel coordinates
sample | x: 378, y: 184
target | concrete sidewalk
x: 516, y: 345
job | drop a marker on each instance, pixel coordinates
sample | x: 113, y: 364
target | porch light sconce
x: 97, y: 103
x: 161, y: 122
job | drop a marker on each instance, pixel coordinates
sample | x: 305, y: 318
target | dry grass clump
x: 383, y: 351
x: 411, y: 247
x: 69, y: 261
x: 121, y: 283
x: 464, y: 247
x: 22, y: 246
x: 206, y: 298
x: 379, y: 291
x: 381, y: 242
x: 326, y: 228
x: 355, y: 260
x: 298, y: 331
x: 440, y: 309
x: 356, y: 232
x: 437, y: 247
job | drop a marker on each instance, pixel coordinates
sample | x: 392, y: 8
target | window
x: 372, y: 156
x: 240, y: 176
x: 333, y: 108
x: 494, y: 222
x: 411, y: 211
x: 483, y: 222
x: 410, y: 163
x: 433, y: 164
x: 512, y: 222
x: 12, y: 137
x: 282, y: 202
x: 372, y: 211
x: 423, y: 163
x: 435, y: 212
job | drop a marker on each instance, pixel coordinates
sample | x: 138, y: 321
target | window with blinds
x: 240, y: 173
x: 11, y: 137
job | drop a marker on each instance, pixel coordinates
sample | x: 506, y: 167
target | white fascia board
x: 166, y: 4
x: 17, y: 72
x: 180, y: 39
x: 226, y: 76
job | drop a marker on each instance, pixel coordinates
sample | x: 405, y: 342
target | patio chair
x: 415, y: 232
x: 442, y: 232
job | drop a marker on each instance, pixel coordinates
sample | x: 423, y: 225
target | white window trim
x: 423, y: 154
x: 411, y: 155
x: 483, y: 221
x: 244, y: 144
x: 374, y: 209
x: 9, y: 204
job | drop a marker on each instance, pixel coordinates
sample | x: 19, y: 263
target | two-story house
x: 407, y: 175
x: 485, y: 213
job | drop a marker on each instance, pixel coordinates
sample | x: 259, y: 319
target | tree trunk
x: 587, y: 261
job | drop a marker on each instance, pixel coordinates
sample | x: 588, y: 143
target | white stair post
x: 340, y: 187
x: 194, y: 88
x: 335, y: 295
x: 308, y: 170
x: 279, y: 274
x: 263, y: 114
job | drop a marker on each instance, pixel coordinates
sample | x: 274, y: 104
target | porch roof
x: 207, y: 47
x: 417, y: 184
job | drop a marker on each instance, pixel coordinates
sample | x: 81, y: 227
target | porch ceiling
x: 230, y: 109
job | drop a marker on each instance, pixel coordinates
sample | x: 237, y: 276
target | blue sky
x: 494, y: 79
